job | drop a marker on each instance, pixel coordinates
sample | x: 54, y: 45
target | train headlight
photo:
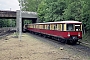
x: 68, y: 34
x: 78, y: 34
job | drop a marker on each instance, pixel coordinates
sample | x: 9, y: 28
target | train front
x: 73, y: 32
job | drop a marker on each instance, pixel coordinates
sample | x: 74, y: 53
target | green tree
x: 74, y: 10
x: 78, y: 10
x: 30, y: 5
x: 51, y: 10
x: 58, y: 10
x: 7, y: 23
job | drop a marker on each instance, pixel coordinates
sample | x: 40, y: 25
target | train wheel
x: 66, y: 41
x: 78, y: 42
x: 63, y: 41
x: 72, y: 42
x: 44, y: 35
x: 58, y: 39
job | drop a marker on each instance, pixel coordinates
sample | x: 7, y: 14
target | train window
x: 62, y: 27
x: 32, y: 26
x: 49, y: 27
x: 59, y: 27
x: 43, y: 26
x: 55, y: 27
x: 39, y: 26
x: 70, y: 27
x: 46, y: 26
x: 35, y: 26
x: 77, y: 27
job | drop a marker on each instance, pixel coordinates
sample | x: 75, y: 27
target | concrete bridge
x: 16, y: 14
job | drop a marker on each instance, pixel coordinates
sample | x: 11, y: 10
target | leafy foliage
x: 51, y: 10
x: 58, y: 10
x: 7, y: 23
x: 30, y: 5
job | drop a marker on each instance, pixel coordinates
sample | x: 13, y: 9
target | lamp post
x: 20, y: 21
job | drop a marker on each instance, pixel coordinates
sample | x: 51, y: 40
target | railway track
x: 4, y: 35
x: 82, y: 49
x: 5, y: 32
x: 77, y: 49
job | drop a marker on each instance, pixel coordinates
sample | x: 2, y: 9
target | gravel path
x: 32, y: 47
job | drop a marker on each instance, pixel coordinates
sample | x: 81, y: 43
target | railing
x: 7, y: 14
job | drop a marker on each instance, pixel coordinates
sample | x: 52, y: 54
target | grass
x: 86, y: 38
x: 15, y: 34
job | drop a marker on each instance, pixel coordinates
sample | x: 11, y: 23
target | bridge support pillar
x: 17, y: 20
x: 25, y: 15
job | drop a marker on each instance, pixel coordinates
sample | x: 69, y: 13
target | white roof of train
x: 60, y: 22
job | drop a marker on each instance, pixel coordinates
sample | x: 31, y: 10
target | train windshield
x: 70, y: 27
x: 73, y: 27
x: 77, y: 27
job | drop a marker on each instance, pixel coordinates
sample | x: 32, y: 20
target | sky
x: 12, y: 5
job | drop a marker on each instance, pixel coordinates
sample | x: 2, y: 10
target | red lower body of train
x: 63, y: 36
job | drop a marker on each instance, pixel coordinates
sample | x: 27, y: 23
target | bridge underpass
x: 33, y: 20
x: 16, y: 15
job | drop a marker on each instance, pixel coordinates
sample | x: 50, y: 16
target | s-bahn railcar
x: 64, y: 31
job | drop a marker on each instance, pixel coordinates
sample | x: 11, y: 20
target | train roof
x: 60, y: 22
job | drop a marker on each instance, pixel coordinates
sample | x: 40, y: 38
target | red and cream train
x: 64, y: 31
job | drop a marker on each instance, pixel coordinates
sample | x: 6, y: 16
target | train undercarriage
x: 71, y: 40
